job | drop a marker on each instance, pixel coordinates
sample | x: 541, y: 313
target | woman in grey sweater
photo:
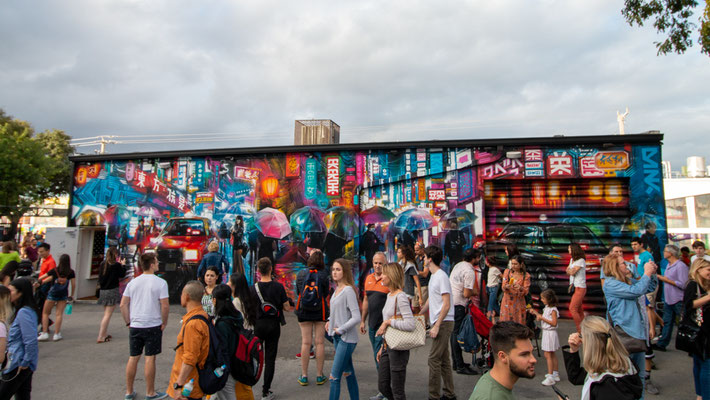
x: 343, y: 327
x: 392, y: 373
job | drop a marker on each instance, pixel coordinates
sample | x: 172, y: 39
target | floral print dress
x: 512, y: 307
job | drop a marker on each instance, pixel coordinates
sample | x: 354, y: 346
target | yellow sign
x: 612, y: 160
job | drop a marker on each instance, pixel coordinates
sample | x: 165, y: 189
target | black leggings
x: 19, y: 386
x: 269, y: 332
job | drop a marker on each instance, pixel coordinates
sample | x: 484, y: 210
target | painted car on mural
x: 544, y: 247
x: 179, y: 248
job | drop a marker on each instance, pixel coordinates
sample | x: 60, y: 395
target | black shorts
x: 150, y: 338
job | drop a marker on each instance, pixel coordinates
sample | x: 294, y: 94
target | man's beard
x: 520, y: 372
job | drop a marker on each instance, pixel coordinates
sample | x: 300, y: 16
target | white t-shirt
x: 3, y: 330
x: 145, y: 293
x: 461, y: 277
x: 438, y: 285
x: 580, y: 278
x: 494, y: 276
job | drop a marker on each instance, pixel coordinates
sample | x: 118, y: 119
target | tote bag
x: 398, y: 339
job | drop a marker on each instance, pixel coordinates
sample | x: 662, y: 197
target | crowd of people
x: 400, y: 299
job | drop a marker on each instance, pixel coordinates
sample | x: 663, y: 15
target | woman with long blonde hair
x: 606, y: 370
x: 5, y: 319
x: 392, y: 372
x: 622, y: 294
x: 696, y: 299
x: 343, y: 326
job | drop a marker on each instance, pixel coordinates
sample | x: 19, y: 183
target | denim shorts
x: 60, y: 296
x: 150, y: 338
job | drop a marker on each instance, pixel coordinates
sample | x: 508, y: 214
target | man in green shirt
x: 513, y: 352
x: 8, y: 254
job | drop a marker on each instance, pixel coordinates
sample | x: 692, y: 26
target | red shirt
x: 47, y: 265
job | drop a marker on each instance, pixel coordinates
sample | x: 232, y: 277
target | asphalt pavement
x: 79, y: 368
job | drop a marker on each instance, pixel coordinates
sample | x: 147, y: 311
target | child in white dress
x: 550, y: 340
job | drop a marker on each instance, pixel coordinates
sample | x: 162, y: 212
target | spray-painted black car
x: 544, y: 247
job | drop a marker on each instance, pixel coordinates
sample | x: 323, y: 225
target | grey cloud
x: 406, y: 69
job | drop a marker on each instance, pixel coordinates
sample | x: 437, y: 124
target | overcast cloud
x: 383, y: 70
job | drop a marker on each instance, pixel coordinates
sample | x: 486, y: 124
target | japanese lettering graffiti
x: 333, y: 176
x: 559, y: 166
x: 507, y: 167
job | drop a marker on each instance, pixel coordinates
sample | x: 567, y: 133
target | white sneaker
x: 57, y: 337
x: 269, y: 396
x: 549, y: 380
x: 43, y: 337
x: 556, y: 377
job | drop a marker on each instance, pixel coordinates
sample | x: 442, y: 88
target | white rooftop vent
x: 696, y: 167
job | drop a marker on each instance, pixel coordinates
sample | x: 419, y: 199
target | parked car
x: 179, y: 248
x: 544, y: 247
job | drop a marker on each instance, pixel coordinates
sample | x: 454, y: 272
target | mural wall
x: 353, y: 203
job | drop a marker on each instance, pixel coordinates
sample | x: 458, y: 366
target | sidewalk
x: 79, y: 368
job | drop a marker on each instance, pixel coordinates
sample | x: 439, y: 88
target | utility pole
x: 103, y: 141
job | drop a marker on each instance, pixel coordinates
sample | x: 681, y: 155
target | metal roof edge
x: 650, y: 137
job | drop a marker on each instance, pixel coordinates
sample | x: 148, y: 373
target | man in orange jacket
x: 193, y: 344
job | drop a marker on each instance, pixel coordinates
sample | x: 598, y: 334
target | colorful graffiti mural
x: 326, y: 200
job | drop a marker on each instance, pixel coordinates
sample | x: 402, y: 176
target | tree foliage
x: 32, y: 167
x: 673, y: 18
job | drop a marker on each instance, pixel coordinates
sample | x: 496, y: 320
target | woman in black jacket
x: 111, y: 272
x: 697, y: 310
x: 606, y: 370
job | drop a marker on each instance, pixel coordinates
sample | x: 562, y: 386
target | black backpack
x: 311, y: 299
x: 24, y: 269
x: 218, y: 356
x: 248, y: 358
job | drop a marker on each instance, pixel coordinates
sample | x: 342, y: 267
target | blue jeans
x: 701, y: 376
x: 376, y: 342
x: 639, y: 360
x: 493, y: 299
x: 343, y: 364
x: 670, y: 311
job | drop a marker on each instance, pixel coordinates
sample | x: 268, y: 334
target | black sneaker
x: 443, y: 397
x: 467, y: 370
x: 657, y: 347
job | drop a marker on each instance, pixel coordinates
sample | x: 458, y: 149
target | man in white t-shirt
x: 464, y: 289
x: 441, y: 315
x: 145, y: 308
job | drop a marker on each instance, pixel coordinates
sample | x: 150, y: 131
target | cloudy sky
x: 207, y: 74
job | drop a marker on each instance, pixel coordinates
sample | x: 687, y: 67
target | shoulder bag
x: 631, y: 344
x: 398, y: 339
x: 690, y: 337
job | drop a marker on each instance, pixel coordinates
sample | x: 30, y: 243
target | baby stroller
x: 483, y: 328
x: 530, y: 323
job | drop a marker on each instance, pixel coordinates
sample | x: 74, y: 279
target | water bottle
x: 219, y: 371
x: 187, y: 389
x: 68, y: 309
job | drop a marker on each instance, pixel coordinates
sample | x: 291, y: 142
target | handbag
x: 398, y: 339
x: 690, y: 338
x: 631, y: 344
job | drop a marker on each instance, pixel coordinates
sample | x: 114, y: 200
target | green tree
x: 671, y: 17
x: 32, y: 167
